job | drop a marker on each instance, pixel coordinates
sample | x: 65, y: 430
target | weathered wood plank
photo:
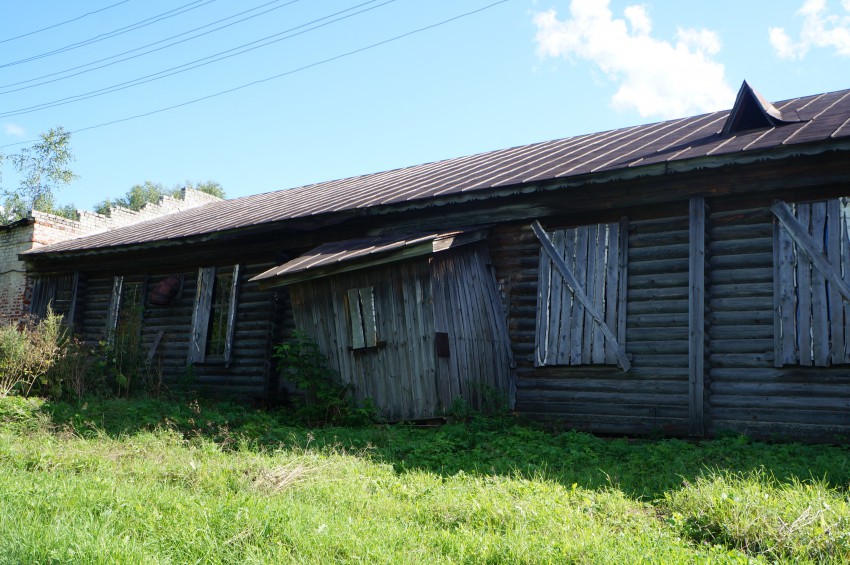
x: 231, y: 315
x: 836, y: 312
x: 820, y: 307
x: 612, y: 287
x: 696, y: 318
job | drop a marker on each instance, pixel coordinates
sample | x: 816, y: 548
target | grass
x: 161, y: 482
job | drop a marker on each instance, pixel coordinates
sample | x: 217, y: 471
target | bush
x: 29, y: 352
x: 326, y: 400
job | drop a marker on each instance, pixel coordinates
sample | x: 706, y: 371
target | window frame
x: 202, y: 317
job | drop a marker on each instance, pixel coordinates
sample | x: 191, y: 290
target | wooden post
x: 696, y: 317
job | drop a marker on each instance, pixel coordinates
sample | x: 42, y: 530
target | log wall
x: 746, y: 392
x: 263, y: 317
x: 654, y: 394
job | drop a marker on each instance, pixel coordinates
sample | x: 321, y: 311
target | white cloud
x: 14, y: 129
x: 656, y: 77
x: 820, y: 28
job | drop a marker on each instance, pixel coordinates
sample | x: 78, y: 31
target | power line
x: 208, y: 60
x: 116, y: 32
x: 146, y: 46
x: 62, y: 23
x: 277, y: 76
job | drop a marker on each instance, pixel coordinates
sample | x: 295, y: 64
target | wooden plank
x: 358, y: 338
x: 845, y: 268
x: 588, y: 284
x: 556, y: 295
x: 152, y: 350
x: 601, y: 251
x: 565, y: 336
x: 696, y: 318
x: 612, y: 283
x: 820, y: 307
x: 836, y: 312
x: 622, y: 291
x: 803, y: 277
x: 578, y: 292
x: 231, y: 315
x: 201, y: 315
x: 370, y: 324
x: 787, y: 298
x: 114, y: 308
x: 578, y: 319
x: 541, y: 338
x: 778, y: 355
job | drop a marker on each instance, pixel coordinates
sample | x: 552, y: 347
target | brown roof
x: 825, y: 117
x: 351, y: 253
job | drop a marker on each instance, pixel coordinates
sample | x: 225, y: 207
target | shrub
x: 28, y: 352
x: 326, y: 400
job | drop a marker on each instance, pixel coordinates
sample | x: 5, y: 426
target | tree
x: 43, y: 170
x: 150, y: 192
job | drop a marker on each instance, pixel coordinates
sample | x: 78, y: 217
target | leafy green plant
x: 326, y: 400
x: 28, y: 352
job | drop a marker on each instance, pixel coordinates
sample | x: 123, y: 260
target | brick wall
x: 44, y: 229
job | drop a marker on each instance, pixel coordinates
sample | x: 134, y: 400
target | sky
x: 264, y: 95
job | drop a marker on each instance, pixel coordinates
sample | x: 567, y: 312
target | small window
x: 59, y: 292
x: 214, y: 315
x: 362, y: 317
x: 219, y: 310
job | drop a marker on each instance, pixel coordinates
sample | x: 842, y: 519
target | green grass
x: 163, y: 482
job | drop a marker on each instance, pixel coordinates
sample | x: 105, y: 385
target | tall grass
x: 155, y: 482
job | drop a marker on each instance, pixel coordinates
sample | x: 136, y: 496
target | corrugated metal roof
x: 825, y: 117
x: 351, y: 250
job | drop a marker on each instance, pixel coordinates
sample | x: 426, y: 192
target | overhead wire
x: 208, y: 60
x: 114, y: 33
x: 54, y: 26
x: 146, y: 46
x: 277, y: 76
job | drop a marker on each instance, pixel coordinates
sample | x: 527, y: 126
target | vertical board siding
x: 260, y: 321
x: 399, y: 375
x: 654, y: 394
x: 749, y: 393
x: 480, y: 359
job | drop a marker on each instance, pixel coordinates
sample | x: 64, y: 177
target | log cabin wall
x: 747, y: 392
x: 263, y: 317
x: 653, y: 395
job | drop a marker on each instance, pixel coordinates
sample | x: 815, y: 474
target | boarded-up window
x: 812, y: 317
x: 566, y: 333
x: 59, y: 292
x: 362, y: 317
x: 214, y: 315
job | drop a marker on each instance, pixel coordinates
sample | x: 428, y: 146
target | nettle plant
x: 326, y: 400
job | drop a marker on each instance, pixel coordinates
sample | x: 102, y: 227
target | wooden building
x: 690, y: 276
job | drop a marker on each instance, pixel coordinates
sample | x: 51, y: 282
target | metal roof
x: 346, y: 255
x: 824, y: 117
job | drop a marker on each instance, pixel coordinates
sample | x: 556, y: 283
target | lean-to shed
x: 687, y: 276
x: 413, y: 323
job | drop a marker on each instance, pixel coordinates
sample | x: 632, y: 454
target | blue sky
x: 515, y: 72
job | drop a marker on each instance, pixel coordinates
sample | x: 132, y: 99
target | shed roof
x: 823, y: 118
x: 353, y: 254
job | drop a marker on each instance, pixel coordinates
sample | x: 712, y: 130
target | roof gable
x: 753, y: 111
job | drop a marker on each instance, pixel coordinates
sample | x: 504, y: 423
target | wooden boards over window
x: 581, y: 296
x: 214, y: 315
x: 812, y: 283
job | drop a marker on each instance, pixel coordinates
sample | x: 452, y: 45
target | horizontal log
x: 741, y: 260
x: 741, y: 331
x: 744, y: 360
x: 748, y: 346
x: 732, y: 276
x: 657, y: 306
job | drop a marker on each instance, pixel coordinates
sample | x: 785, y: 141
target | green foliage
x: 325, y: 399
x: 43, y: 169
x: 151, y: 481
x: 150, y: 192
x: 28, y: 353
